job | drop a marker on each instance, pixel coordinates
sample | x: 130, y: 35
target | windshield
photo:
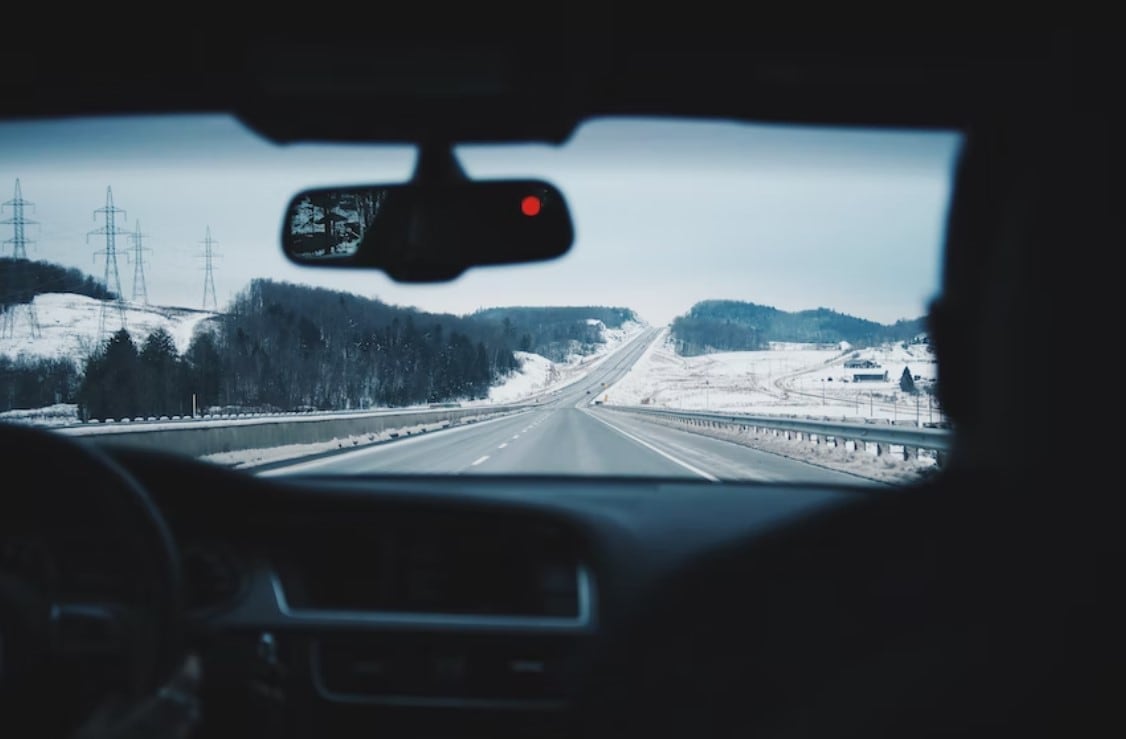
x: 741, y: 302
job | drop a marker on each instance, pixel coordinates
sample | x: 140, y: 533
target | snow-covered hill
x: 68, y: 326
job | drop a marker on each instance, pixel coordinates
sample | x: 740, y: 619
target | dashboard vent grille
x: 460, y: 567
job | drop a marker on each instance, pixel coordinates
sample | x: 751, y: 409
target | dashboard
x: 329, y: 606
x: 506, y: 606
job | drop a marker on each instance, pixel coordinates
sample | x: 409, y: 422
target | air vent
x: 213, y: 577
x: 458, y: 567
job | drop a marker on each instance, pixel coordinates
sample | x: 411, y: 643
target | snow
x: 69, y: 326
x: 539, y: 375
x: 254, y: 457
x: 536, y: 375
x: 787, y: 379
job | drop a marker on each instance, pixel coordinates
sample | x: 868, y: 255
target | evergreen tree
x: 109, y: 386
x: 160, y: 376
x: 204, y: 371
x: 906, y: 382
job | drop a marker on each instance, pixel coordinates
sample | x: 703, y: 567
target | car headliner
x: 390, y: 86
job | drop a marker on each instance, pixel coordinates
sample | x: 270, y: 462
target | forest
x: 288, y: 347
x: 731, y: 325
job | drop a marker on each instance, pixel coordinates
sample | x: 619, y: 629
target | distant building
x: 870, y: 377
x: 861, y: 364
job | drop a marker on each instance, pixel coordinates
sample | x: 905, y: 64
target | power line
x: 209, y: 271
x: 112, y: 279
x: 140, y: 291
x: 19, y: 242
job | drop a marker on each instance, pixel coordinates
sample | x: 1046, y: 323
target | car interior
x: 978, y: 601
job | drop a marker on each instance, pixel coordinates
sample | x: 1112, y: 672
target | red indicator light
x: 530, y: 205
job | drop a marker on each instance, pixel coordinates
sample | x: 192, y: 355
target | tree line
x: 23, y: 279
x: 37, y: 382
x: 555, y: 332
x: 290, y: 347
x: 730, y: 325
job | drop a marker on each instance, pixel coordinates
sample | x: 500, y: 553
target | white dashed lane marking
x: 479, y: 461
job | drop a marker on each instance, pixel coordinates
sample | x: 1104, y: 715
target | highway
x: 565, y: 435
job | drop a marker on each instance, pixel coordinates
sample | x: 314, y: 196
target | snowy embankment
x: 61, y: 414
x: 539, y: 375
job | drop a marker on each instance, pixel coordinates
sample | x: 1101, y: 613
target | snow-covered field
x: 68, y: 326
x: 788, y: 379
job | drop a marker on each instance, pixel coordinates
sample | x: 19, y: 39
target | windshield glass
x: 741, y: 302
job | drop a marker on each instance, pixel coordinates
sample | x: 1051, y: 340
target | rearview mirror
x: 428, y: 232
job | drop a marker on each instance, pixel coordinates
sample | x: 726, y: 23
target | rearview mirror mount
x: 430, y: 229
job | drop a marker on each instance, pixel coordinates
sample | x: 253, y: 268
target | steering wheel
x: 66, y: 650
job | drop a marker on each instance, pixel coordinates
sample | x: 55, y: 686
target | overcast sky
x: 667, y: 213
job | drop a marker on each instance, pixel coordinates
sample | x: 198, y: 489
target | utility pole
x: 19, y: 242
x: 140, y: 291
x: 707, y: 383
x: 209, y: 271
x: 112, y: 278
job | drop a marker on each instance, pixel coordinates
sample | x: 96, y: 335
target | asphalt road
x: 565, y: 435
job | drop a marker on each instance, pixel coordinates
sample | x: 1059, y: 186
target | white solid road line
x: 666, y: 455
x: 479, y: 461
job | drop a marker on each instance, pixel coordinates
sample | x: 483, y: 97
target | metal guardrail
x: 937, y: 440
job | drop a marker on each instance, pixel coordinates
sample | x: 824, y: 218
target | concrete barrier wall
x: 215, y: 437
